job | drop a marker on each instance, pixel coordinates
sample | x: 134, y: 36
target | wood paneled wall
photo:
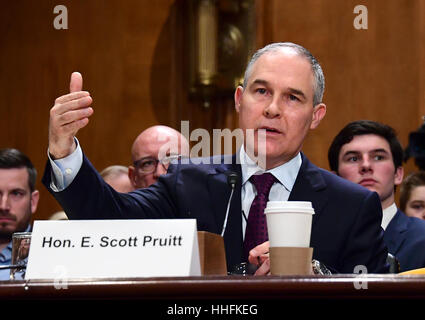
x: 374, y: 74
x: 116, y: 45
x: 132, y: 57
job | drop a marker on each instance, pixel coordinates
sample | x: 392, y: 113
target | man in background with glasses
x: 152, y: 152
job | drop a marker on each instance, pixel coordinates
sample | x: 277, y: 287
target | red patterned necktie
x: 256, y: 228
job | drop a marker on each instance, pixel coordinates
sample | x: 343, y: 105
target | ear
x: 319, y: 111
x: 238, y: 98
x: 398, y: 177
x: 132, y: 175
x: 35, y: 196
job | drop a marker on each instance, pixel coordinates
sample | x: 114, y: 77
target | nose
x: 4, y: 203
x: 365, y: 165
x: 273, y: 110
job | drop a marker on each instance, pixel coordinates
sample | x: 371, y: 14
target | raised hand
x: 70, y: 113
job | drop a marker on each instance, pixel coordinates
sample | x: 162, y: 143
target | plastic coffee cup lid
x: 289, y: 206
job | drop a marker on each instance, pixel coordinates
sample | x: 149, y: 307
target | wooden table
x: 269, y: 293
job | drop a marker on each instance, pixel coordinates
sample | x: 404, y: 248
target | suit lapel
x: 394, y: 234
x: 310, y: 186
x: 220, y: 191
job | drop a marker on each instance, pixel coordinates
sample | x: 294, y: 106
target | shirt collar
x: 387, y: 215
x: 285, y: 173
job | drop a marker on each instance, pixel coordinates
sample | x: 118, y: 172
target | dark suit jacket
x: 405, y: 239
x: 346, y: 228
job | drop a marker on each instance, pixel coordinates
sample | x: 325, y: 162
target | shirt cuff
x: 66, y: 169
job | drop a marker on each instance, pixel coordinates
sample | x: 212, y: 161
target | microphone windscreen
x: 232, y: 178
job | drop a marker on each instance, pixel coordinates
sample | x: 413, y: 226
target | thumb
x: 76, y: 83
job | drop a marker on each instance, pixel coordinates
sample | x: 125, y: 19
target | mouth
x: 6, y: 218
x: 367, y: 182
x: 270, y: 130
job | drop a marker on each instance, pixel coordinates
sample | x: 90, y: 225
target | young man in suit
x: 369, y: 153
x: 281, y: 100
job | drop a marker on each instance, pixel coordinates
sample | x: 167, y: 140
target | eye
x: 417, y: 206
x: 17, y: 193
x: 261, y: 90
x: 379, y: 157
x: 293, y: 98
x: 352, y: 159
x: 147, y: 163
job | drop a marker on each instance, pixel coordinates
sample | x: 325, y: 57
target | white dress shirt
x: 387, y: 215
x: 65, y: 170
x: 286, y: 174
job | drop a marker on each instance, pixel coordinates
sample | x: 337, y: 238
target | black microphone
x: 232, y: 179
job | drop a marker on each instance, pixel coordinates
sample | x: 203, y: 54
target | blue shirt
x: 6, y: 259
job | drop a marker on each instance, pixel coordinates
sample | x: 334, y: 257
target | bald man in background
x: 117, y: 177
x: 151, y: 153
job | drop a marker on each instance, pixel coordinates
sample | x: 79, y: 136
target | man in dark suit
x: 280, y: 101
x: 369, y: 153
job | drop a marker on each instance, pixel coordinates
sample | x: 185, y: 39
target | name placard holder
x: 113, y: 249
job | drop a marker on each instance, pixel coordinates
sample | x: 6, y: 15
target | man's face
x: 367, y: 160
x: 148, y: 150
x: 279, y: 99
x: 17, y: 203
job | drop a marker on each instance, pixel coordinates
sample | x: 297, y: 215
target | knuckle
x: 53, y: 111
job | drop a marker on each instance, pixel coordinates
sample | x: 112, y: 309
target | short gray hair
x: 319, y: 77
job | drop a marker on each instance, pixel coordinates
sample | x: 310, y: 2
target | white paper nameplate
x: 113, y: 249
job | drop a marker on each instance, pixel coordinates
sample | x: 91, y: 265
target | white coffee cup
x: 289, y: 223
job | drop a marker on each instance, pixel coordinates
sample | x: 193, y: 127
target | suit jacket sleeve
x: 90, y: 197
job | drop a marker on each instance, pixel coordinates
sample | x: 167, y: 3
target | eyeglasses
x: 148, y: 164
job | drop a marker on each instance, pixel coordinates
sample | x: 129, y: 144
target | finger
x: 253, y: 257
x: 81, y: 103
x: 71, y: 96
x: 256, y: 253
x: 263, y: 258
x: 76, y: 83
x: 258, y: 259
x: 73, y: 127
x: 264, y: 269
x: 73, y: 116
